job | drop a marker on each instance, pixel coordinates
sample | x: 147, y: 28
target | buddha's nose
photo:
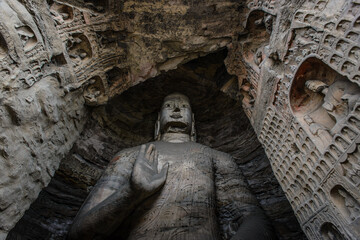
x: 176, y: 108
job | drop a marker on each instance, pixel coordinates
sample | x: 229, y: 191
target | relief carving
x: 329, y: 26
x: 355, y: 8
x: 346, y: 204
x: 309, y: 18
x: 246, y: 90
x: 268, y: 21
x: 20, y: 25
x: 79, y: 48
x: 350, y: 167
x: 336, y: 60
x: 94, y: 93
x: 357, y: 23
x: 348, y: 67
x: 320, y: 5
x: 318, y: 130
x: 32, y: 74
x: 329, y: 40
x: 354, y: 54
x: 322, y: 99
x: 338, y: 100
x: 343, y: 26
x: 262, y: 3
x: 330, y: 232
x: 259, y: 26
x: 61, y: 13
x: 342, y: 46
x: 6, y: 72
x: 353, y: 36
x: 27, y: 37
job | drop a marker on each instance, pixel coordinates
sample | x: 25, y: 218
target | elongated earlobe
x: 157, y: 129
x: 193, y: 130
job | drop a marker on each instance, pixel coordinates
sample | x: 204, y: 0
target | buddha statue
x: 172, y: 188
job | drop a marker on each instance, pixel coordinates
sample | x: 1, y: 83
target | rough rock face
x: 37, y: 127
x: 296, y: 68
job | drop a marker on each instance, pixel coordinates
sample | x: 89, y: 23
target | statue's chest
x: 190, y: 175
x: 185, y: 159
x: 187, y: 198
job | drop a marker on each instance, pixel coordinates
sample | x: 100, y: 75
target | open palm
x: 146, y: 177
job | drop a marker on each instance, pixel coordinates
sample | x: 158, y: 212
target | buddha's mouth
x: 175, y: 127
x: 177, y: 124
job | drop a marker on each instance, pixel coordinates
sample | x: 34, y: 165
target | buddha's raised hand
x: 146, y: 178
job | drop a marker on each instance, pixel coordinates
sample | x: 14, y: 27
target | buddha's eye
x: 184, y: 106
x: 167, y: 105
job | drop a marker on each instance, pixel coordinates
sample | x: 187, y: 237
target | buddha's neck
x: 175, y: 137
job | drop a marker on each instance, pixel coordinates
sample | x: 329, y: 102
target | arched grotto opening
x: 128, y: 120
x: 321, y: 99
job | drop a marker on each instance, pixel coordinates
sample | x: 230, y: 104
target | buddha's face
x: 175, y: 114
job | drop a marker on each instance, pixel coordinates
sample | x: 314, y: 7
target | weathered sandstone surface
x: 82, y: 79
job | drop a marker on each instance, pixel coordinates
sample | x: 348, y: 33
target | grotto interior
x: 128, y: 120
x: 273, y: 83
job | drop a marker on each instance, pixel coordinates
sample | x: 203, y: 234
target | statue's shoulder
x: 221, y: 155
x: 213, y: 152
x: 129, y: 153
x: 126, y: 153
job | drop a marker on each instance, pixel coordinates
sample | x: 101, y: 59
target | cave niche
x: 79, y: 48
x: 62, y: 13
x: 329, y: 232
x: 345, y: 203
x: 253, y: 44
x: 321, y: 99
x: 128, y: 120
x: 94, y: 93
x: 28, y: 37
x: 259, y: 27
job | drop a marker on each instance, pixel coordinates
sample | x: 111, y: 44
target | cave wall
x: 38, y: 128
x: 306, y: 113
x: 57, y: 55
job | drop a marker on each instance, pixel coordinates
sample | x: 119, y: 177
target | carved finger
x: 148, y: 151
x: 156, y: 159
x: 164, y: 170
x: 142, y: 150
x: 140, y: 156
x: 141, y: 163
x: 136, y: 176
x: 152, y: 156
x: 160, y: 178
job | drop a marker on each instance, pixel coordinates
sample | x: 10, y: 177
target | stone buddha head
x: 175, y: 119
